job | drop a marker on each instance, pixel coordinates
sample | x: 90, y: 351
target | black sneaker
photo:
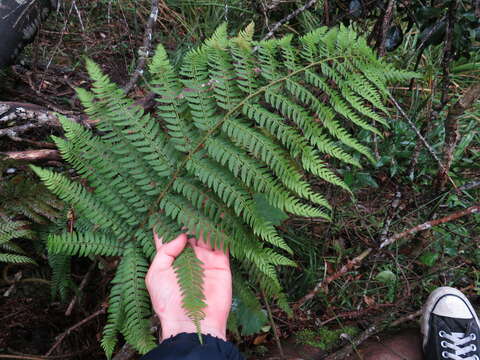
x: 450, y: 327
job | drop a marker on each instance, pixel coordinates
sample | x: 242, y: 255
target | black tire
x: 19, y: 23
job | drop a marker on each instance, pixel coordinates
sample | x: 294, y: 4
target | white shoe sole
x: 432, y: 301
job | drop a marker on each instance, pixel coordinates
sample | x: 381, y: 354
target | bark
x: 32, y: 155
x: 387, y: 19
x: 452, y: 135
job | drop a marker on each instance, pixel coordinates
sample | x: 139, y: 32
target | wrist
x: 172, y: 328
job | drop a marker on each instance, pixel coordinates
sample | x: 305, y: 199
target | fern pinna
x: 240, y: 119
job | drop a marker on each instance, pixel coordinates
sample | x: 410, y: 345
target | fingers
x: 158, y: 241
x: 175, y: 247
x: 166, y: 253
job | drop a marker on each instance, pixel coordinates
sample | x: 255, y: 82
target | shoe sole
x: 432, y: 301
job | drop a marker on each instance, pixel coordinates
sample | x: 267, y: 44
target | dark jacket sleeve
x: 187, y: 347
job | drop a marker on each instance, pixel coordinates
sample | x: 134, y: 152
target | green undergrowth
x: 324, y: 338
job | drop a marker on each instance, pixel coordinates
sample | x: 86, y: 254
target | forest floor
x: 364, y: 288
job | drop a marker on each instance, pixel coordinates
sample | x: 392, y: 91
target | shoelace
x: 458, y: 346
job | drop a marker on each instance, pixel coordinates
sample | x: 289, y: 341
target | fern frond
x: 172, y: 104
x: 61, y: 280
x: 188, y: 269
x: 116, y: 310
x: 136, y: 301
x: 232, y: 125
x: 84, y: 244
x: 16, y: 259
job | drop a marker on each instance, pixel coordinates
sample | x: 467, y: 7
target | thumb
x: 169, y: 251
x: 175, y: 247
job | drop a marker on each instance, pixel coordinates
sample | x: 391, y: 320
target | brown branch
x: 391, y: 212
x: 62, y: 336
x: 322, y: 285
x: 80, y: 288
x: 274, y: 327
x: 31, y: 116
x: 448, y: 51
x: 430, y: 224
x: 452, y: 135
x: 372, y: 330
x: 387, y: 19
x: 32, y: 155
x: 144, y: 51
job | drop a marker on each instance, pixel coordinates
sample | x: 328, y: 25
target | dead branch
x: 391, y: 213
x: 372, y: 330
x: 80, y: 288
x: 470, y: 186
x: 422, y: 139
x: 387, y: 19
x: 289, y: 17
x: 32, y: 155
x: 28, y: 116
x: 322, y: 285
x: 452, y: 135
x: 274, y: 327
x: 144, y: 51
x: 74, y: 327
x: 430, y: 224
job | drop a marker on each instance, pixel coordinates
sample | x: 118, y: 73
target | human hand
x: 165, y: 292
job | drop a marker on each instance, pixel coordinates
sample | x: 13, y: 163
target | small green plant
x: 236, y: 131
x: 324, y: 338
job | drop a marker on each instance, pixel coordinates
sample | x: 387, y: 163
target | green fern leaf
x: 188, y: 269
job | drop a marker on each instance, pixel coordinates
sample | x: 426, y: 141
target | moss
x: 324, y: 338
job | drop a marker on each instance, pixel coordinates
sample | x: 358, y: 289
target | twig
x: 274, y: 327
x: 372, y: 330
x: 57, y: 46
x: 470, y: 186
x: 288, y: 18
x: 452, y: 135
x: 80, y: 288
x: 322, y: 285
x: 385, y: 26
x: 74, y: 327
x: 430, y: 224
x: 273, y: 4
x: 29, y: 357
x: 343, y: 270
x: 78, y: 15
x: 422, y: 139
x: 144, y: 51
x: 448, y: 51
x: 390, y: 215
